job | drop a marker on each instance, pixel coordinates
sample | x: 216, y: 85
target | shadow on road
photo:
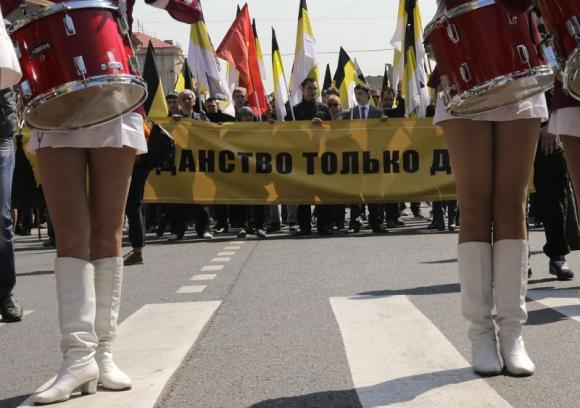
x: 421, y: 290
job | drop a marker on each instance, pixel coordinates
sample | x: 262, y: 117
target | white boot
x: 76, y: 309
x: 474, y: 260
x: 510, y: 274
x: 108, y: 281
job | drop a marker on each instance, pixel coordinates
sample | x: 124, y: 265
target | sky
x: 363, y: 27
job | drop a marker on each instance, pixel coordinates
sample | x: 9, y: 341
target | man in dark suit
x: 364, y: 110
x: 308, y: 109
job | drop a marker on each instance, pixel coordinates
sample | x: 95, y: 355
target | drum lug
x: 69, y: 26
x: 512, y: 19
x: 112, y: 65
x: 25, y: 89
x: 574, y: 27
x: 134, y: 63
x: 452, y: 33
x: 80, y: 65
x: 17, y: 50
x: 465, y: 72
x: 524, y: 54
x: 123, y: 25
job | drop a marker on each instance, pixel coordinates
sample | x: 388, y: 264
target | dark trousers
x: 134, y: 207
x: 7, y: 268
x: 374, y: 214
x: 221, y: 215
x: 555, y: 204
x: 180, y: 214
x: 241, y: 215
x: 392, y: 211
x: 438, y: 207
x: 304, y: 216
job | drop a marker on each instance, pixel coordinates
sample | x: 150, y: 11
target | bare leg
x: 64, y: 183
x: 471, y: 149
x: 515, y: 147
x: 110, y: 176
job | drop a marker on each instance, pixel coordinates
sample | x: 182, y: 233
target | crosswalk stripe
x: 237, y: 242
x: 398, y: 357
x: 232, y: 247
x: 564, y: 301
x: 25, y: 313
x: 210, y: 268
x: 150, y: 347
x: 203, y: 277
x: 226, y: 253
x: 221, y: 259
x: 191, y: 289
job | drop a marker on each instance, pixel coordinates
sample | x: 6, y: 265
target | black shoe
x: 323, y: 231
x: 10, y: 309
x: 303, y: 232
x: 221, y: 229
x: 438, y: 225
x: 49, y: 243
x: 274, y: 227
x: 260, y: 233
x: 292, y: 227
x: 379, y: 229
x: 559, y: 267
x: 242, y: 233
x: 133, y: 258
x: 451, y: 225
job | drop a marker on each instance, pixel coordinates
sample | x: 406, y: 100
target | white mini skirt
x: 124, y: 131
x: 565, y: 121
x: 530, y: 108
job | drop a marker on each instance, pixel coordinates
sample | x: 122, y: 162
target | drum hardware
x: 465, y: 73
x: 524, y: 54
x: 69, y: 25
x: 25, y: 88
x: 17, y: 50
x: 123, y: 24
x: 574, y: 28
x: 112, y: 65
x: 512, y: 19
x: 452, y: 33
x: 134, y: 63
x: 81, y: 67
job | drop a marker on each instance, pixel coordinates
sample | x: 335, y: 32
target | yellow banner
x: 299, y: 163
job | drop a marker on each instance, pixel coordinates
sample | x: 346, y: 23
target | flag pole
x: 289, y: 97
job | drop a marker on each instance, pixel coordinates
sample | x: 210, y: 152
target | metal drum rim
x: 567, y: 72
x: 467, y: 7
x: 84, y: 84
x: 541, y: 70
x: 64, y: 6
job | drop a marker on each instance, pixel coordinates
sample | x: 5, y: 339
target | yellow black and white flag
x: 155, y: 104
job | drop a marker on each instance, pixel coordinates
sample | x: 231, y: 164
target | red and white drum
x: 78, y: 66
x: 562, y: 18
x: 486, y: 57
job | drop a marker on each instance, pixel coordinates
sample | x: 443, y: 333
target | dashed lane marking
x: 208, y: 268
x: 221, y: 259
x: 203, y: 277
x: 191, y: 289
x: 226, y: 253
x: 230, y: 248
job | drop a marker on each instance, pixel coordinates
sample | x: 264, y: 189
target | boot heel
x: 89, y: 387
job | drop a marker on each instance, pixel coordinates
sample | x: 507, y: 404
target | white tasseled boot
x: 108, y: 282
x: 475, y: 276
x: 510, y: 274
x: 76, y: 306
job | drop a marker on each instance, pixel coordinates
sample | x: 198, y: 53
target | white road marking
x: 398, y: 357
x: 150, y: 347
x: 208, y: 268
x: 191, y: 289
x: 221, y: 259
x: 203, y: 277
x: 564, y: 301
x: 26, y: 313
x: 237, y: 242
x: 226, y: 253
x: 230, y: 248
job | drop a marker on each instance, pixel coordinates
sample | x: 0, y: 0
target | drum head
x: 94, y: 104
x: 501, y: 92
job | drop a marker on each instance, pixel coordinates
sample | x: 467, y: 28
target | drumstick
x: 44, y: 3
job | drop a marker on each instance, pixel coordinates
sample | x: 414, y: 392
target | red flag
x: 239, y: 49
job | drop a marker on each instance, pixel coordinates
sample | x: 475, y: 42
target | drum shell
x: 47, y: 53
x: 487, y: 44
x: 556, y: 14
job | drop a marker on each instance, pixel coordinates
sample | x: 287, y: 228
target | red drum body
x: 562, y: 18
x: 487, y: 58
x: 78, y: 66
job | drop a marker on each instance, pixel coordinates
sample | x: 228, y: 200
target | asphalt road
x: 343, y: 321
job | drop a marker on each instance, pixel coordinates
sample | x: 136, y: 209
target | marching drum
x: 562, y: 19
x: 486, y: 57
x: 78, y: 66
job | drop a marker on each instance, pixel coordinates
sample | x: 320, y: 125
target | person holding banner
x: 492, y: 156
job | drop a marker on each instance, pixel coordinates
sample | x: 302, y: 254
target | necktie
x: 363, y: 113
